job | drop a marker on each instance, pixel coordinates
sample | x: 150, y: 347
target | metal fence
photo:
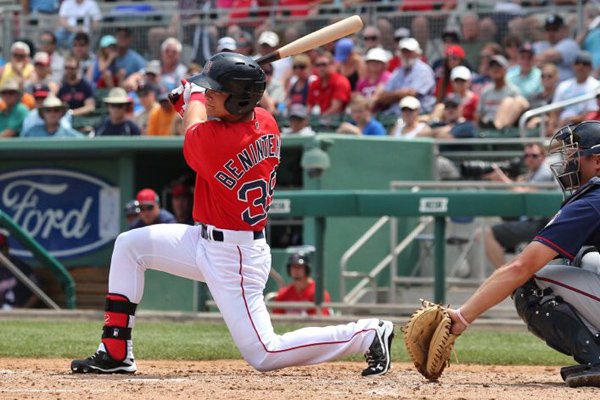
x: 427, y: 25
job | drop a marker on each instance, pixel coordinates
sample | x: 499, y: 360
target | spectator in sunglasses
x: 51, y: 111
x: 583, y: 82
x: 508, y: 235
x: 120, y: 105
x: 150, y: 211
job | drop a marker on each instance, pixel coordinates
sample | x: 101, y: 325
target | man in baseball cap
x: 150, y: 211
x: 558, y: 48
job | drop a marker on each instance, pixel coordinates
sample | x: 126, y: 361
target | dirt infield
x: 164, y: 380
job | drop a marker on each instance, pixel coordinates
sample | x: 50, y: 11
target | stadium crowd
x: 385, y: 80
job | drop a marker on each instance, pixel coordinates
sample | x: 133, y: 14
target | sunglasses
x: 531, y: 155
x: 585, y: 63
x: 321, y: 65
x: 146, y: 207
x: 9, y: 93
x: 53, y: 110
x: 460, y: 80
x: 547, y: 76
x: 300, y: 66
x: 117, y: 105
x: 407, y: 109
x: 371, y: 38
x: 19, y: 55
x: 70, y: 68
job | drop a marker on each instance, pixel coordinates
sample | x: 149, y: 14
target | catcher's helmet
x: 236, y: 74
x: 570, y: 143
x: 298, y: 259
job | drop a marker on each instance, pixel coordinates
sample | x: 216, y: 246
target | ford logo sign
x: 69, y: 213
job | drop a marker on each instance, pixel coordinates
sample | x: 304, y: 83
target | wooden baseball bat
x: 325, y: 35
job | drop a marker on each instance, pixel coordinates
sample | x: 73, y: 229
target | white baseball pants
x: 236, y: 271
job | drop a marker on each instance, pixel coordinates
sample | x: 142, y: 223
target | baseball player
x: 559, y: 303
x: 234, y: 149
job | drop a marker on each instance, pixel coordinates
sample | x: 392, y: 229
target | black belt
x: 218, y: 235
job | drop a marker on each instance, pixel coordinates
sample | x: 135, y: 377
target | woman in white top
x: 408, y: 125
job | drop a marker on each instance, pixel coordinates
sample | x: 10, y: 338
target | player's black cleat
x: 378, y: 356
x: 101, y: 363
x: 581, y: 375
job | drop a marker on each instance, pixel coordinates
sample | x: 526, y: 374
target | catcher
x: 559, y: 303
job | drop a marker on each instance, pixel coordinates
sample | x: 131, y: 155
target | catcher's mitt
x: 428, y: 339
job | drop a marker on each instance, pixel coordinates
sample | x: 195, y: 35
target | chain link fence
x: 151, y: 22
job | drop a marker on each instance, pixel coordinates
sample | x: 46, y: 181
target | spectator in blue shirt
x: 127, y: 60
x: 150, y: 211
x: 362, y: 122
x: 51, y: 111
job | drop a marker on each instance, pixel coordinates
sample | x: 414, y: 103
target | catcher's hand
x: 428, y: 339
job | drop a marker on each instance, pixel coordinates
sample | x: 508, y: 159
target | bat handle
x: 268, y: 58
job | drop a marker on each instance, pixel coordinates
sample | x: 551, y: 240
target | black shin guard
x: 557, y: 323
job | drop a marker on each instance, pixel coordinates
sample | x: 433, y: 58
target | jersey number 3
x: 262, y: 192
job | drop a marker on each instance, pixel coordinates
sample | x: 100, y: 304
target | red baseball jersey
x: 289, y: 293
x: 235, y: 165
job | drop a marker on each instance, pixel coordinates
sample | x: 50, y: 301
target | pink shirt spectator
x: 367, y: 88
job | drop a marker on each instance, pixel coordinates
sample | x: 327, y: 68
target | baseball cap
x: 269, y: 38
x: 401, y: 33
x: 147, y: 87
x: 452, y: 99
x: 455, y: 51
x: 553, y: 21
x: 153, y: 67
x: 583, y: 57
x: 450, y: 35
x: 107, y: 40
x: 343, y: 48
x: 298, y: 259
x: 226, y: 43
x: 181, y: 190
x: 298, y: 111
x: 460, y: 72
x: 40, y: 90
x: 147, y: 196
x: 500, y: 60
x: 410, y: 102
x: 41, y: 57
x: 526, y: 47
x: 410, y: 44
x: 377, y: 54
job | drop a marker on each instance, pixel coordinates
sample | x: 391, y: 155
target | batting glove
x: 181, y: 96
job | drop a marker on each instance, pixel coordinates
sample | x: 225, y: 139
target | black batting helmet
x: 237, y: 75
x: 571, y: 143
x: 298, y: 259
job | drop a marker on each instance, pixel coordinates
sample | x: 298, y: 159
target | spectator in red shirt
x: 301, y: 289
x: 331, y: 90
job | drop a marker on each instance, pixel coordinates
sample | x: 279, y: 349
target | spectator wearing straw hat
x: 40, y: 92
x: 117, y: 123
x: 51, y: 112
x: 14, y: 112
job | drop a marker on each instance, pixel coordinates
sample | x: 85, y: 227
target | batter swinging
x: 234, y: 149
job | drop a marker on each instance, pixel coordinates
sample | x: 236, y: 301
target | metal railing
x: 527, y: 115
x: 45, y: 258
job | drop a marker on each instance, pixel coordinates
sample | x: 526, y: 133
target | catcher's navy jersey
x: 576, y: 224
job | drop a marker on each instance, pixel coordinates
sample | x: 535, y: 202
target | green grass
x: 209, y: 341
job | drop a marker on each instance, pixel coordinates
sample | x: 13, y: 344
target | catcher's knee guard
x: 557, y: 323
